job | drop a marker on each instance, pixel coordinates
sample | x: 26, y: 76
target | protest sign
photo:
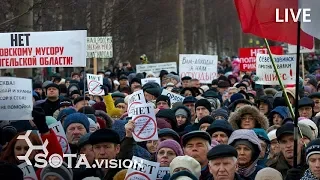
x: 201, y: 67
x: 146, y: 80
x: 173, y: 96
x: 157, y: 67
x: 247, y: 56
x: 145, y: 123
x: 135, y: 99
x: 15, y: 98
x: 61, y: 136
x: 286, y: 65
x: 292, y: 49
x: 142, y: 170
x: 99, y: 47
x: 43, y: 49
x: 28, y: 171
x: 94, y: 83
x: 162, y: 172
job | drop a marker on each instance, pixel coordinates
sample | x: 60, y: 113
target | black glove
x: 294, y: 174
x: 39, y: 119
x: 105, y: 88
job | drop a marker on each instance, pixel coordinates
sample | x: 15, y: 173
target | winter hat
x: 100, y: 106
x: 93, y: 178
x: 37, y: 85
x: 222, y: 150
x: 118, y: 95
x: 181, y: 112
x: 93, y: 126
x: 220, y: 112
x: 205, y: 103
x: 80, y: 98
x: 65, y: 102
x: 87, y: 110
x: 61, y: 172
x: 76, y: 118
x: 313, y: 148
x: 220, y: 125
x: 163, y: 123
x: 206, y: 119
x: 186, y: 162
x: 152, y: 88
x: 53, y: 85
x: 10, y: 171
x: 164, y: 98
x: 183, y: 175
x: 7, y: 134
x: 137, y: 80
x: 235, y: 97
x: 118, y: 101
x: 195, y: 134
x: 287, y: 128
x: 150, y: 74
x: 268, y: 173
x: 84, y: 140
x: 272, y: 135
x: 262, y: 134
x: 169, y: 132
x: 104, y: 135
x: 310, y: 123
x: 306, y: 131
x: 223, y: 84
x: 121, y: 175
x: 189, y: 99
x: 65, y: 112
x: 172, y: 144
x: 169, y: 115
x: 50, y: 120
x: 305, y: 101
x: 46, y: 83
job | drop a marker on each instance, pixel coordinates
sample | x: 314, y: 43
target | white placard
x: 286, y: 65
x: 61, y: 136
x: 146, y: 80
x: 15, y: 98
x: 142, y: 170
x: 135, y: 99
x: 145, y: 123
x: 43, y: 49
x: 201, y: 67
x: 157, y: 67
x: 162, y: 172
x: 28, y: 171
x: 99, y: 47
x: 173, y: 96
x: 94, y: 83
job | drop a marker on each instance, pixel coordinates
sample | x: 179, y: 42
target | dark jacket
x: 205, y: 174
x: 282, y: 166
x: 181, y: 129
x: 50, y: 107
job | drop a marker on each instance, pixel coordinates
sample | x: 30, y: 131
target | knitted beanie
x: 61, y: 172
x: 313, y: 148
x: 76, y: 118
x: 172, y: 144
x: 181, y: 112
x: 205, y: 103
x: 186, y: 162
x: 50, y: 120
x: 268, y: 173
x: 220, y: 112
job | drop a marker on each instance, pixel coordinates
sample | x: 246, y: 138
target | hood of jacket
x: 261, y: 120
x: 283, y: 111
x: 266, y: 99
x: 186, y: 109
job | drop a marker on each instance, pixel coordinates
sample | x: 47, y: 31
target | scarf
x: 308, y: 176
x: 247, y: 171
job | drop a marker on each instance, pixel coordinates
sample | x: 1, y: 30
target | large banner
x: 248, y: 56
x: 99, y: 47
x: 197, y: 66
x: 157, y: 67
x: 43, y: 49
x: 286, y: 65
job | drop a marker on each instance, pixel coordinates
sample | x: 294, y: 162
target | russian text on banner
x: 135, y: 99
x: 99, y: 47
x: 157, y: 67
x: 43, y: 49
x: 197, y: 66
x: 146, y: 80
x: 173, y: 96
x: 142, y: 170
x: 15, y: 98
x: 94, y: 83
x: 286, y: 65
x: 61, y: 136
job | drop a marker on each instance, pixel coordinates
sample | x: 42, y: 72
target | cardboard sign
x: 162, y: 172
x: 15, y: 98
x: 94, y: 83
x: 43, y: 49
x: 135, y: 99
x: 286, y: 65
x: 201, y: 67
x: 145, y: 123
x: 142, y: 170
x: 173, y: 96
x: 61, y: 135
x: 146, y: 80
x: 28, y: 172
x: 157, y: 67
x: 248, y: 56
x: 99, y: 47
x: 292, y: 49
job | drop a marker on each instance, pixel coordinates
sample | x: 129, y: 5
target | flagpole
x: 296, y: 112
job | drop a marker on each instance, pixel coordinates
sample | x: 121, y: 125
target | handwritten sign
x: 286, y: 65
x: 99, y: 47
x: 145, y: 123
x: 173, y: 96
x: 201, y: 67
x: 61, y: 135
x: 15, y: 98
x: 135, y: 99
x: 157, y: 67
x: 28, y: 171
x: 248, y: 56
x: 142, y: 170
x: 43, y: 49
x: 146, y: 80
x: 94, y: 84
x: 162, y: 172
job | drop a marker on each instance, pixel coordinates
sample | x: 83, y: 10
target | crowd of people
x: 231, y: 129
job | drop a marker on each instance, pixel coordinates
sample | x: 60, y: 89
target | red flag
x: 258, y: 17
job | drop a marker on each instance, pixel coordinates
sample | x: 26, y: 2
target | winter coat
x: 308, y: 175
x: 261, y: 120
x: 50, y: 107
x: 111, y: 109
x: 181, y: 129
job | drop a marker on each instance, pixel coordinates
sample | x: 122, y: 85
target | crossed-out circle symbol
x: 145, y: 125
x: 93, y: 85
x: 138, y: 175
x: 64, y: 143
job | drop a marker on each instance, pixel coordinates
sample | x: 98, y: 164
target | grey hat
x: 181, y: 112
x: 46, y: 83
x: 61, y: 172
